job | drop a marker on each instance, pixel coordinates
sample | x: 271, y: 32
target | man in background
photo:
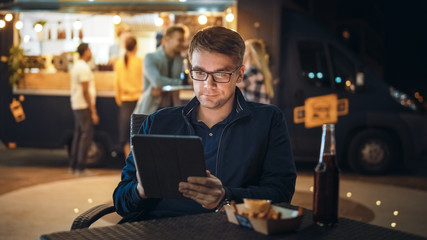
x: 163, y: 67
x: 83, y: 96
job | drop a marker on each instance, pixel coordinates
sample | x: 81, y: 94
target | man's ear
x: 241, y: 74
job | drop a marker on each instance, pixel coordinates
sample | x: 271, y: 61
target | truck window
x: 313, y: 63
x: 344, y: 71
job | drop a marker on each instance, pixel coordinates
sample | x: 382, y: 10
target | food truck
x: 36, y: 111
x: 319, y: 80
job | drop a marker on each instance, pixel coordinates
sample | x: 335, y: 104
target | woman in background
x: 128, y: 88
x: 257, y: 85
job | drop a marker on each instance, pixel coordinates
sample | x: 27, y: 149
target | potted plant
x: 16, y: 64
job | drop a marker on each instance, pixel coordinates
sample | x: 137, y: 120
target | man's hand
x: 95, y: 117
x: 208, y: 191
x: 156, y: 92
x: 139, y: 187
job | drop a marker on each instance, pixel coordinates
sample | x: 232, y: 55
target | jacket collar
x: 240, y: 105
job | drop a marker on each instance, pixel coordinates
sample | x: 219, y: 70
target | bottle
x: 326, y: 181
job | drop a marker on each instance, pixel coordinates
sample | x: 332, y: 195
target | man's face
x: 213, y: 95
x: 175, y: 42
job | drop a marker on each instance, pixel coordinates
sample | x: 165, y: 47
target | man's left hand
x: 208, y: 191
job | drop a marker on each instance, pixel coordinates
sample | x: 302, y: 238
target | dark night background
x: 389, y: 35
x: 406, y: 45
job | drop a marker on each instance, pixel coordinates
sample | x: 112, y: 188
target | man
x: 161, y: 68
x: 246, y: 144
x: 83, y: 95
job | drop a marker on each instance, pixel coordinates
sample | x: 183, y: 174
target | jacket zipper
x: 219, y: 143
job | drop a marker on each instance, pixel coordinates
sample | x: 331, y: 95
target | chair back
x: 135, y: 123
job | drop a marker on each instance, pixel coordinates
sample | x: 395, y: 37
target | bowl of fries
x: 264, y: 217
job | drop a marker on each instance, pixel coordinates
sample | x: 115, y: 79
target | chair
x: 90, y: 216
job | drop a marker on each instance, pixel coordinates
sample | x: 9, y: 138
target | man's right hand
x: 139, y: 187
x: 156, y: 92
x: 95, y: 118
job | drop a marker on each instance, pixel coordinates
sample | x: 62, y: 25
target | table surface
x: 216, y: 226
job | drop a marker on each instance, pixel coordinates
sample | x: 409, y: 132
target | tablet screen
x: 165, y: 160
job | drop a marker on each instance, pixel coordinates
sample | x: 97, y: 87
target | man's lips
x: 210, y: 94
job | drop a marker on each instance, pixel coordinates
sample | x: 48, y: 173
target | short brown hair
x: 81, y: 49
x: 219, y: 40
x: 175, y: 28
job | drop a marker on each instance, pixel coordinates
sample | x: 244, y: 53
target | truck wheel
x: 372, y: 151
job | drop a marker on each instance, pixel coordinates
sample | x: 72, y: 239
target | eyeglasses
x: 219, y: 77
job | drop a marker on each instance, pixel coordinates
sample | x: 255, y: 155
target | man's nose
x: 210, y: 81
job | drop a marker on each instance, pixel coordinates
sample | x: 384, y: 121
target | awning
x: 110, y: 6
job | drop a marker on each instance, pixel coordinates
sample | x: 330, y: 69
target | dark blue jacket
x: 254, y: 158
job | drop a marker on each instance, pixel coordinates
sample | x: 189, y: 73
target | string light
x: 8, y: 17
x: 38, y: 27
x: 203, y: 19
x: 229, y: 17
x: 2, y: 23
x: 158, y: 21
x: 19, y: 25
x: 117, y: 19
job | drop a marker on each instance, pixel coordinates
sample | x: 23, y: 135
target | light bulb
x: 203, y: 19
x: 116, y: 19
x: 38, y: 27
x: 19, y: 25
x: 158, y: 22
x: 229, y: 17
x: 8, y: 17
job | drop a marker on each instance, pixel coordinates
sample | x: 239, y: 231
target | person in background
x: 83, y: 96
x: 246, y: 144
x: 163, y: 67
x: 128, y: 87
x: 257, y: 85
x: 118, y: 49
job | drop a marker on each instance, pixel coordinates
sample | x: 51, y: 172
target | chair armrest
x: 91, y: 215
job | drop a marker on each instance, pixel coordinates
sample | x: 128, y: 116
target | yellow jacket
x: 128, y: 80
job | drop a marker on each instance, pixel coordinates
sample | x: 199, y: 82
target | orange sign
x: 319, y: 110
x: 17, y: 110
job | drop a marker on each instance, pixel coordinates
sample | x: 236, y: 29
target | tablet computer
x: 165, y: 160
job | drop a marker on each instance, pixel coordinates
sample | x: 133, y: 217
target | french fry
x: 233, y: 205
x: 254, y: 208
